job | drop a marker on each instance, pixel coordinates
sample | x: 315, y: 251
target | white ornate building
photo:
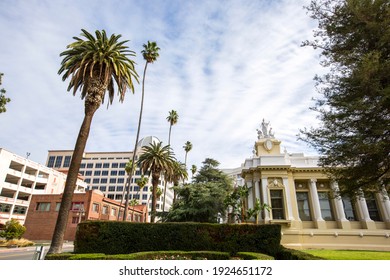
x: 301, y: 200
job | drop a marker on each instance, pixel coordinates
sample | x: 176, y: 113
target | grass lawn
x: 349, y: 254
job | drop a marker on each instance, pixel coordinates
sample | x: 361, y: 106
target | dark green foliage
x: 13, y: 230
x: 253, y: 256
x: 354, y: 110
x: 124, y: 238
x: 290, y: 254
x: 3, y: 100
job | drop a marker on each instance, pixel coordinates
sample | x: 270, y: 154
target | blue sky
x: 223, y: 66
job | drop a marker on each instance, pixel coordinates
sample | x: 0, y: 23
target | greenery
x: 290, y: 254
x: 204, y: 199
x: 162, y: 255
x: 22, y: 242
x: 12, y: 230
x: 354, y: 37
x: 3, y: 100
x: 349, y: 254
x: 112, y: 237
x: 95, y: 66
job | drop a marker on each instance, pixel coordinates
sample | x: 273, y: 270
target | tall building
x: 105, y: 171
x: 303, y: 201
x: 20, y: 178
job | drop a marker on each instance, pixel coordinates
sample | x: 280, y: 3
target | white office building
x: 20, y: 178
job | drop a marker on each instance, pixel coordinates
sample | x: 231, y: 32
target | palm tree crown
x: 150, y: 52
x: 187, y: 147
x: 172, y: 119
x: 102, y: 58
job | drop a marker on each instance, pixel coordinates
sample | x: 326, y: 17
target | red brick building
x: 92, y: 205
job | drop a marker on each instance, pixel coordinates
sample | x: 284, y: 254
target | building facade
x: 105, y: 171
x: 20, y: 178
x: 301, y: 199
x: 92, y: 205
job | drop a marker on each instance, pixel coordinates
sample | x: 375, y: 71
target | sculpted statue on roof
x: 265, y: 130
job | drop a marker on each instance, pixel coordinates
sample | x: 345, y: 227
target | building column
x: 289, y: 214
x: 342, y: 221
x: 264, y: 193
x: 365, y: 221
x: 319, y: 221
x: 385, y: 201
x: 248, y: 182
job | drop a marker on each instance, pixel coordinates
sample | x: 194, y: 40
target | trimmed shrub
x: 290, y: 254
x: 254, y: 256
x: 12, y: 230
x: 112, y: 237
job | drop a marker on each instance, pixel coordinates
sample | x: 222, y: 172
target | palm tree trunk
x: 165, y: 179
x: 155, y: 178
x: 136, y: 144
x: 71, y: 180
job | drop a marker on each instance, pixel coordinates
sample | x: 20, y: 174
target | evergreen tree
x: 354, y: 133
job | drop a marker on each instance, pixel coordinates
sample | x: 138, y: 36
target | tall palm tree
x: 179, y: 172
x: 172, y: 119
x: 128, y: 169
x: 150, y: 54
x: 193, y: 169
x: 157, y: 159
x: 94, y: 66
x: 187, y: 147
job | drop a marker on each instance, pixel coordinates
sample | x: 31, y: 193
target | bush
x: 112, y: 237
x: 13, y: 230
x: 290, y: 254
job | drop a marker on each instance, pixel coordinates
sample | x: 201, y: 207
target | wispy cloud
x: 223, y: 66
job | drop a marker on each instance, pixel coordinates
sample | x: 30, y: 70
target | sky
x: 224, y: 66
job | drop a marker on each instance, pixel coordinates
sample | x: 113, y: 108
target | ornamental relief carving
x: 275, y: 183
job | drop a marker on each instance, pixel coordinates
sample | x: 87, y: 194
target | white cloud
x: 223, y: 66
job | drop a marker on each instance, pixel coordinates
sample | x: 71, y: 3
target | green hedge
x: 290, y: 254
x: 111, y: 237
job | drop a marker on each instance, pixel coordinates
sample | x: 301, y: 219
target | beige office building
x: 301, y: 200
x: 105, y: 171
x: 20, y: 178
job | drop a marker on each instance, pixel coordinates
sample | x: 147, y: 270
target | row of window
x: 64, y: 161
x: 326, y: 206
x: 6, y: 208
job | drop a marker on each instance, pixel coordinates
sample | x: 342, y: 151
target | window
x: 81, y: 172
x: 118, y: 197
x: 122, y: 165
x: 58, y: 162
x: 145, y: 189
x: 75, y: 220
x: 50, y: 162
x: 43, y: 206
x: 119, y: 188
x: 106, y: 165
x: 372, y: 207
x: 96, y: 173
x: 82, y: 165
x: 121, y: 173
x: 144, y: 197
x: 349, y: 209
x: 58, y: 205
x: 67, y: 161
x: 103, y: 180
x: 96, y: 181
x: 90, y: 165
x: 114, y: 165
x: 105, y: 173
x: 105, y: 210
x: 112, y: 180
x: 95, y: 187
x: 98, y: 165
x: 326, y: 206
x: 303, y: 206
x: 88, y: 180
x: 111, y: 188
x: 77, y: 206
x: 19, y: 210
x: 95, y: 208
x: 113, y: 211
x: 88, y: 173
x: 111, y: 196
x: 103, y: 188
x: 136, y: 188
x: 5, y: 208
x: 114, y: 172
x: 277, y: 205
